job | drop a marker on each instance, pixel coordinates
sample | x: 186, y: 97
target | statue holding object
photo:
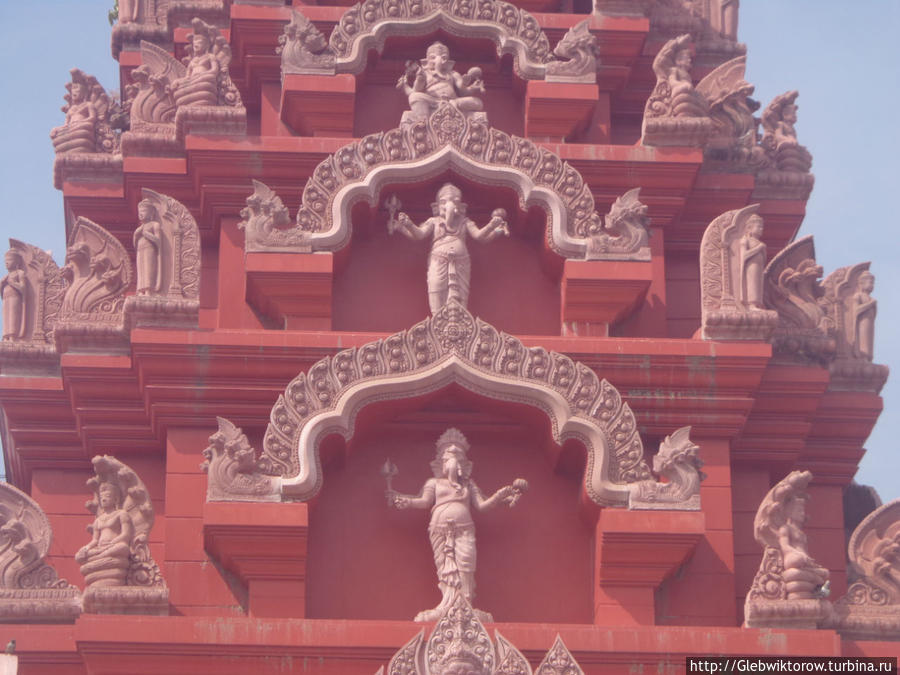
x: 433, y: 81
x: 449, y: 266
x: 452, y: 495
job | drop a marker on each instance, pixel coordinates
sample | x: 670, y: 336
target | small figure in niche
x: 433, y: 80
x: 105, y: 560
x: 13, y: 289
x: 864, y: 309
x: 449, y: 266
x: 148, y: 249
x: 752, y: 260
x: 452, y: 496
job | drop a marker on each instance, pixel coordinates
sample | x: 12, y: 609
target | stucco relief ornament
x: 448, y: 138
x: 152, y: 130
x: 624, y: 233
x: 167, y: 251
x: 849, y: 303
x: 97, y: 274
x: 732, y: 261
x: 87, y: 144
x: 676, y: 113
x: 578, y: 51
x: 234, y: 475
x: 32, y: 293
x: 790, y: 587
x: 432, y: 82
x: 791, y: 287
x: 787, y: 174
x: 679, y: 463
x: 452, y: 496
x: 120, y: 575
x: 453, y: 346
x: 461, y: 645
x: 871, y: 608
x: 206, y: 99
x: 449, y: 266
x: 365, y: 26
x: 29, y: 588
x: 733, y: 141
x: 303, y: 48
x: 267, y: 224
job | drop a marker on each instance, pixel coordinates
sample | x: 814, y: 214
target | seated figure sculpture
x: 452, y: 496
x: 432, y: 81
x: 104, y: 561
x: 449, y: 267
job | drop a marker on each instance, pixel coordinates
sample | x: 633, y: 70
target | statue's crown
x: 452, y: 437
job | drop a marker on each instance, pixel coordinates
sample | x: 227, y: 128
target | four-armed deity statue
x: 452, y: 496
x: 432, y: 81
x: 449, y: 267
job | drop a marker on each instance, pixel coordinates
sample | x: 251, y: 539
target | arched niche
x: 447, y: 141
x: 379, y: 282
x: 365, y: 27
x: 350, y: 520
x: 453, y: 348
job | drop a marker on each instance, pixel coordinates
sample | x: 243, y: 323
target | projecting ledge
x: 602, y: 293
x: 642, y: 548
x: 264, y: 545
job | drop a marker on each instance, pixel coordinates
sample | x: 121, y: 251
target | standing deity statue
x: 864, y: 307
x: 452, y: 496
x: 129, y: 11
x: 148, y: 249
x: 449, y: 267
x: 432, y: 81
x: 751, y: 259
x: 13, y: 290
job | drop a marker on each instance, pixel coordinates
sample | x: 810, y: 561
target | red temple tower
x: 344, y: 283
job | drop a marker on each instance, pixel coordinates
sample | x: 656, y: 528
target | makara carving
x: 88, y: 142
x: 677, y: 461
x: 849, y: 304
x: 230, y: 463
x: 871, y: 608
x: 452, y: 495
x: 97, y: 274
x: 267, y: 224
x: 624, y: 234
x: 460, y: 643
x: 449, y: 346
x: 449, y: 267
x: 676, y: 113
x: 790, y: 587
x: 303, y: 48
x: 478, y: 152
x: 167, y: 249
x: 364, y: 27
x: 433, y: 82
x: 732, y: 261
x: 578, y: 51
x: 32, y: 293
x: 30, y: 590
x: 120, y: 575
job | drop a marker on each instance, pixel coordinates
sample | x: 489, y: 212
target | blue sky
x: 841, y: 56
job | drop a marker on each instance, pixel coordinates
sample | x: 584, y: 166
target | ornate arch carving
x: 452, y: 346
x: 472, y: 148
x: 366, y: 25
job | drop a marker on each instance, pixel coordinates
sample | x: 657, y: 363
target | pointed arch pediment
x: 366, y: 25
x: 453, y: 347
x: 448, y: 139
